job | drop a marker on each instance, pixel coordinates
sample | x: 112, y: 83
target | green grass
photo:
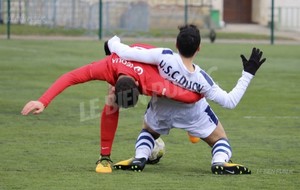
x: 25, y: 30
x: 55, y: 150
x: 17, y: 29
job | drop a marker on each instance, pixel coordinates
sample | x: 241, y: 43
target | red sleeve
x: 169, y: 90
x: 182, y: 95
x: 146, y: 46
x: 80, y: 75
x: 103, y: 70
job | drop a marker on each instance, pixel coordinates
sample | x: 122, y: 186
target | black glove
x: 106, y: 49
x: 254, y: 62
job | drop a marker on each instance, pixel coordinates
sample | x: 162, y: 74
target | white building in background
x: 145, y: 15
x: 287, y: 12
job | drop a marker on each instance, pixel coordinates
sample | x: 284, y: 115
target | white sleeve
x: 231, y: 99
x: 149, y: 56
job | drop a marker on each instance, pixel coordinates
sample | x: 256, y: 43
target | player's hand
x: 106, y: 49
x: 111, y: 98
x: 254, y: 62
x: 35, y: 107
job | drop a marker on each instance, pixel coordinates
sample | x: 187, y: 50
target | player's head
x: 126, y: 92
x: 188, y: 40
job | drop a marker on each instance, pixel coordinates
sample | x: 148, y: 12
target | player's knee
x: 154, y: 134
x: 217, y: 134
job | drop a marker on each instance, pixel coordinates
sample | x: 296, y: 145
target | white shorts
x: 164, y: 114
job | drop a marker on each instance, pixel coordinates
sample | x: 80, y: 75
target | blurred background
x: 151, y: 18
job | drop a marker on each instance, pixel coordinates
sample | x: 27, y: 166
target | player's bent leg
x: 218, y: 133
x: 221, y: 164
x: 143, y: 148
x: 104, y: 165
x: 156, y: 154
x: 221, y: 154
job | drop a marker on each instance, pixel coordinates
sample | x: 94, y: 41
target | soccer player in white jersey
x: 197, y: 119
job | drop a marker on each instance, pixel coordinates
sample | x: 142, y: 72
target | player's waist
x: 166, y: 102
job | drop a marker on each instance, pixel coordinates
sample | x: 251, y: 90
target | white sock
x: 221, y: 151
x: 144, y: 145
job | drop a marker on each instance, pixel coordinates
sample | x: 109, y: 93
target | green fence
x: 100, y: 17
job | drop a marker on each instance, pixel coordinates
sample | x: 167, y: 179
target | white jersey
x: 171, y: 67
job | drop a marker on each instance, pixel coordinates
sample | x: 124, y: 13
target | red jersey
x: 110, y: 68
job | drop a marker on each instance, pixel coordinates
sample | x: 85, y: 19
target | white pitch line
x: 271, y: 117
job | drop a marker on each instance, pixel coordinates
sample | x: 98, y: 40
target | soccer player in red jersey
x: 129, y: 78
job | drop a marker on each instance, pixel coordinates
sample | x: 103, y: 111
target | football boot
x: 229, y: 168
x: 104, y: 165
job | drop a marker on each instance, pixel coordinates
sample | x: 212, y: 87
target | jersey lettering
x: 162, y: 64
x: 183, y: 81
x: 173, y: 74
x: 122, y: 61
x: 139, y: 70
x: 178, y: 78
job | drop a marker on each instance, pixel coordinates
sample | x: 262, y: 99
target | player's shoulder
x: 206, y: 76
x: 167, y: 51
x: 142, y: 46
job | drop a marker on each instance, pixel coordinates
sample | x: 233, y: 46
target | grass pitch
x: 58, y: 149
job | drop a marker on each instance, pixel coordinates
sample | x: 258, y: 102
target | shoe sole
x: 103, y: 169
x: 122, y: 167
x: 232, y: 170
x: 131, y: 164
x: 103, y: 172
x: 136, y: 168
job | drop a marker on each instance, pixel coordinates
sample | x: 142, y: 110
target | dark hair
x: 126, y: 92
x: 188, y: 40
